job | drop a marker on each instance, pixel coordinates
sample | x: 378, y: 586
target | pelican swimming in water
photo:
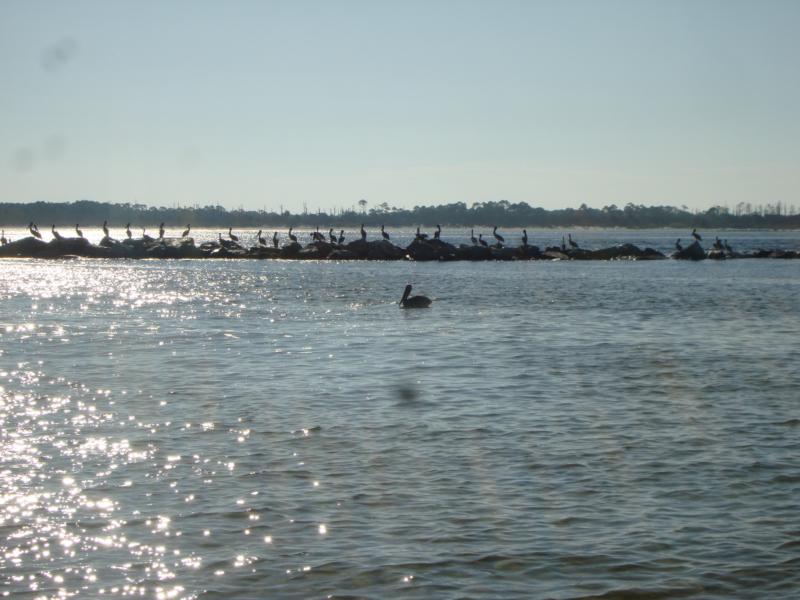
x: 261, y: 239
x: 472, y: 237
x: 696, y: 235
x: 234, y: 238
x: 341, y: 237
x: 78, y: 231
x: 363, y: 233
x: 128, y: 231
x: 186, y: 231
x: 292, y: 236
x: 572, y: 242
x: 524, y: 239
x: 275, y: 240
x: 437, y: 233
x: 678, y: 246
x: 105, y: 228
x: 482, y: 241
x: 384, y: 235
x: 56, y: 235
x: 34, y: 230
x: 413, y: 301
x: 161, y: 231
x: 497, y: 236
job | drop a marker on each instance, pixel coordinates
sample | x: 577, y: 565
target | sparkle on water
x: 280, y: 429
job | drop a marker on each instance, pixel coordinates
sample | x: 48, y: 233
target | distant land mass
x: 501, y: 213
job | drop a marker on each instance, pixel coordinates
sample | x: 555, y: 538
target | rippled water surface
x: 254, y: 429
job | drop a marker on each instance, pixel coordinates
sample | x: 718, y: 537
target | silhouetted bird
x: 341, y: 237
x: 78, y: 231
x: 186, y: 231
x: 728, y: 248
x: 331, y: 236
x: 128, y: 231
x: 3, y: 240
x: 363, y: 233
x: 261, y: 239
x: 717, y: 243
x: 234, y: 238
x: 413, y: 301
x: 696, y: 235
x: 482, y: 241
x: 56, y: 235
x: 437, y: 233
x: 34, y: 230
x: 292, y: 236
x: 563, y: 244
x: 472, y: 237
x: 275, y: 240
x: 161, y: 231
x: 105, y: 228
x: 497, y: 236
x: 572, y: 243
x: 146, y: 237
x: 678, y: 246
x: 421, y: 236
x: 384, y: 235
x: 524, y: 238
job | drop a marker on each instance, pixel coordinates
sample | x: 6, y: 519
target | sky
x: 318, y: 104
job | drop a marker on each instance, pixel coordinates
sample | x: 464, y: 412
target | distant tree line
x: 502, y: 213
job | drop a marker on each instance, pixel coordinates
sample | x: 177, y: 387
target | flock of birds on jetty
x: 333, y: 246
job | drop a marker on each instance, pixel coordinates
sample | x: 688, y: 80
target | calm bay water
x: 253, y: 429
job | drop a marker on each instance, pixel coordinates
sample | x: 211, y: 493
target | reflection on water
x: 251, y: 429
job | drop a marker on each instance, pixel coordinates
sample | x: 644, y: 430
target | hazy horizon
x: 277, y: 104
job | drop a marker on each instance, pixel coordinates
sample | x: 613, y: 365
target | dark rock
x: 291, y: 250
x: 26, y: 247
x: 692, y: 252
x: 474, y: 253
x: 342, y: 254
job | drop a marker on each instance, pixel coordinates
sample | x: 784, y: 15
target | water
x: 252, y: 429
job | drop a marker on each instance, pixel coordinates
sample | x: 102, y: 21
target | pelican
x: 3, y: 240
x: 78, y: 231
x: 341, y: 237
x: 261, y: 239
x: 728, y: 248
x: 524, y: 238
x: 437, y: 233
x: 331, y: 236
x: 696, y: 235
x: 363, y: 233
x: 413, y: 301
x: 563, y: 244
x: 384, y: 235
x: 34, y: 230
x: 128, y: 231
x: 275, y: 240
x: 292, y: 236
x: 146, y: 237
x: 572, y: 242
x: 472, y: 237
x: 482, y: 241
x: 56, y: 235
x: 678, y: 246
x: 497, y: 236
x: 161, y: 231
x: 718, y: 243
x: 234, y: 238
x: 186, y: 231
x: 105, y: 228
x: 421, y: 236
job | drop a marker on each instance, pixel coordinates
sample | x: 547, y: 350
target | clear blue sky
x: 262, y: 104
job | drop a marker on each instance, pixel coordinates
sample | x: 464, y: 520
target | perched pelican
x: 421, y: 236
x: 161, y: 231
x: 384, y: 235
x: 234, y: 238
x: 3, y: 240
x: 472, y: 237
x: 728, y: 248
x: 482, y: 241
x: 718, y: 243
x: 413, y: 301
x: 497, y: 236
x: 105, y: 228
x: 363, y: 233
x: 678, y: 246
x: 341, y: 237
x: 34, y: 230
x: 78, y: 231
x: 261, y: 239
x: 563, y: 244
x: 524, y: 238
x: 128, y: 231
x: 572, y: 243
x: 186, y: 231
x: 292, y: 236
x: 275, y: 240
x: 331, y: 236
x: 56, y: 235
x: 437, y: 233
x: 696, y: 235
x: 146, y: 237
